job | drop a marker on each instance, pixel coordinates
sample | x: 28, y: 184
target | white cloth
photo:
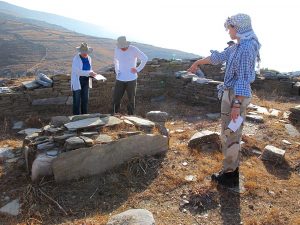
x: 125, y: 60
x: 77, y: 72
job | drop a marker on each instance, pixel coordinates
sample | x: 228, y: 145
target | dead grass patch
x: 274, y: 217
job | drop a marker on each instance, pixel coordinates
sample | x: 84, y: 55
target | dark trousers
x: 81, y: 97
x: 120, y: 88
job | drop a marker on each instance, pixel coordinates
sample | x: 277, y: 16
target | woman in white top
x: 81, y: 79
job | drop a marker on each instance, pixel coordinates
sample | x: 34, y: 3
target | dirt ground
x: 158, y: 184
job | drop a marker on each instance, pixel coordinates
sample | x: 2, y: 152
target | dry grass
x: 158, y: 183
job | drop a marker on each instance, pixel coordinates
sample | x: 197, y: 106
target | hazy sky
x: 190, y: 25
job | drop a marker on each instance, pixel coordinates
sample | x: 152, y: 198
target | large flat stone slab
x: 50, y: 101
x: 31, y: 84
x: 85, y: 123
x: 140, y: 121
x: 100, y: 158
x: 84, y: 116
x: 30, y: 131
x: 111, y: 121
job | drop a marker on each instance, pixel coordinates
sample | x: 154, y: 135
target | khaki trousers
x: 231, y: 141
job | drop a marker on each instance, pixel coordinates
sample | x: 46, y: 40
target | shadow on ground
x: 52, y: 203
x: 281, y: 170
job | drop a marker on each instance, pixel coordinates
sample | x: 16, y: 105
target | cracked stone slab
x: 85, y: 123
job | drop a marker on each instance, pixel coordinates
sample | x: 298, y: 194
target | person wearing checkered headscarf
x: 235, y: 93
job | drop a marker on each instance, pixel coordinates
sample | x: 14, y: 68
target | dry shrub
x: 251, y: 186
x: 34, y: 121
x: 183, y: 137
x: 251, y: 221
x: 295, y: 221
x: 5, y: 125
x: 274, y: 217
x: 11, y: 143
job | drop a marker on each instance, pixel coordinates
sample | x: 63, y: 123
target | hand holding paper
x: 234, y: 126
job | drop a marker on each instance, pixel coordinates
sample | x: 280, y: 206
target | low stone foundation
x: 156, y: 81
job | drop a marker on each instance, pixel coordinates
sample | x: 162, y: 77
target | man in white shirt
x: 125, y: 60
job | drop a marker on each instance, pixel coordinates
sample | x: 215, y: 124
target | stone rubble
x: 79, y: 148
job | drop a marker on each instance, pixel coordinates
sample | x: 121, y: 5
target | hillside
x: 32, y: 45
x: 68, y: 23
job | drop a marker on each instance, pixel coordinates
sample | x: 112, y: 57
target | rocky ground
x: 174, y: 187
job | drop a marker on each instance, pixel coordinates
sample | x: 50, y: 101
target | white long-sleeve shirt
x: 77, y: 72
x: 125, y: 60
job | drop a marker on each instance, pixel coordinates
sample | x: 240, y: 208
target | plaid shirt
x: 240, y: 65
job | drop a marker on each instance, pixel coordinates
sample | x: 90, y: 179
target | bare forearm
x: 203, y: 61
x: 199, y: 62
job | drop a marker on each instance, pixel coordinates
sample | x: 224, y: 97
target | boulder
x: 133, y: 217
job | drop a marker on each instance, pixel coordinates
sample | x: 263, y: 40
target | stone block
x: 157, y: 116
x: 273, y: 154
x: 100, y: 158
x: 203, y: 137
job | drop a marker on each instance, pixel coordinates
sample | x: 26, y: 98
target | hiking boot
x: 229, y: 179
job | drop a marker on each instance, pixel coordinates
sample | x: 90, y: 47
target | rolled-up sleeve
x: 245, y: 74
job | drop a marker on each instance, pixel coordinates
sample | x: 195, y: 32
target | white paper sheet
x: 234, y: 126
x: 100, y: 77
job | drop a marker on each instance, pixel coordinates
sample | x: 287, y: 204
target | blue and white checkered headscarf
x: 242, y: 23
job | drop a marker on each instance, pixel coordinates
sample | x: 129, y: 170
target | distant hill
x: 68, y: 23
x: 28, y: 45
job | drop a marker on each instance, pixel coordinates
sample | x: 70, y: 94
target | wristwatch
x: 236, y: 101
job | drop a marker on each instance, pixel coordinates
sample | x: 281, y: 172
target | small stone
x: 255, y: 118
x: 12, y: 208
x: 178, y: 131
x: 272, y: 193
x: 213, y: 116
x: 183, y: 202
x: 286, y: 142
x: 18, y: 125
x: 184, y: 163
x: 190, y: 178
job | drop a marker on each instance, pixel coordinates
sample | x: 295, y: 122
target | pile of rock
x: 85, y: 145
x: 295, y: 114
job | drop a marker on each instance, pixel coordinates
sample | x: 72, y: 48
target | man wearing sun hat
x: 81, y: 79
x: 125, y: 60
x: 235, y: 93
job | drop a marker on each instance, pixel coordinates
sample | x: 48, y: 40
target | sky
x: 195, y: 26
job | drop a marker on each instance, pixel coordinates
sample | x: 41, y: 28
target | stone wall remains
x: 156, y: 81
